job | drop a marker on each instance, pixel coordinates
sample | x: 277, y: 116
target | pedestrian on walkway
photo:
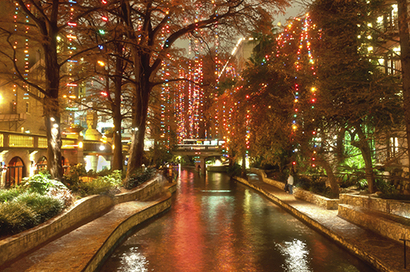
x: 290, y: 182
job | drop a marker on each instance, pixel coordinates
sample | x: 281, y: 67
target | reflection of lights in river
x: 296, y: 255
x: 133, y: 261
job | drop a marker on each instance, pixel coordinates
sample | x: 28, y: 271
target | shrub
x: 64, y: 195
x: 302, y: 182
x: 43, y: 185
x: 38, y: 183
x: 46, y: 207
x: 8, y: 194
x: 314, y: 185
x: 139, y: 177
x: 386, y: 188
x: 108, y: 184
x: 234, y: 170
x: 16, y: 216
x: 26, y: 211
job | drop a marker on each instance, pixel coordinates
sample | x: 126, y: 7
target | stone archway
x: 15, y: 172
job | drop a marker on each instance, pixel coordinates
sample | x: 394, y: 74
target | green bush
x: 41, y: 183
x: 46, y: 207
x: 302, y: 182
x: 314, y: 185
x: 385, y: 187
x: 234, y: 170
x: 9, y: 194
x: 100, y: 185
x: 139, y: 177
x: 26, y: 211
x: 16, y: 216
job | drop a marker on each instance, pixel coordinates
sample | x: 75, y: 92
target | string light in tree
x: 304, y: 58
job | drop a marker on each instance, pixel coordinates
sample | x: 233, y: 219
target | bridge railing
x: 197, y: 147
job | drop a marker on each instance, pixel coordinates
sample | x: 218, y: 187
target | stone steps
x: 389, y: 225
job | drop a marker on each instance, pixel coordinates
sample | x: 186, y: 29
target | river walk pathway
x: 75, y: 250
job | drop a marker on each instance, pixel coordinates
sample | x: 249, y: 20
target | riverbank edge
x: 158, y: 206
x: 356, y: 251
x: 21, y: 244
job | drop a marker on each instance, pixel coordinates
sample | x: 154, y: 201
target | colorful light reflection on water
x: 218, y: 225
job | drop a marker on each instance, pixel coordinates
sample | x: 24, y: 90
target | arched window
x: 15, y: 172
x: 41, y: 164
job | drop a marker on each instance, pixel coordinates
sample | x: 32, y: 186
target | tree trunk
x: 139, y: 115
x: 117, y: 163
x: 367, y: 157
x: 405, y: 65
x: 51, y: 110
x: 334, y: 186
x: 243, y: 172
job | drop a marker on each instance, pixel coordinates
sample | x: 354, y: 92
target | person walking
x: 290, y: 183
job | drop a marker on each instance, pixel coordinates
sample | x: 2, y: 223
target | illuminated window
x: 394, y: 146
x: 21, y: 141
x: 42, y: 143
x: 1, y: 140
x: 68, y: 144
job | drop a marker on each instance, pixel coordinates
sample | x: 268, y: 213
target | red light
x: 104, y: 18
x: 294, y: 163
x: 104, y: 94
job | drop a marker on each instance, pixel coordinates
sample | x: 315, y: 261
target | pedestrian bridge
x: 200, y: 149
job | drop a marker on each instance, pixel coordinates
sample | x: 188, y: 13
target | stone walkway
x: 383, y: 253
x: 82, y: 248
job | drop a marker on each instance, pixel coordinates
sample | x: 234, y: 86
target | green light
x: 101, y: 31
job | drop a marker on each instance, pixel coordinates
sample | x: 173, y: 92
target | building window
x: 393, y: 146
x: 21, y: 141
x: 42, y: 142
x: 27, y: 107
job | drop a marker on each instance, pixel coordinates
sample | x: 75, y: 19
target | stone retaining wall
x: 390, y: 206
x: 262, y: 174
x: 159, y: 206
x: 327, y: 203
x: 12, y: 247
x: 388, y: 226
x: 318, y: 200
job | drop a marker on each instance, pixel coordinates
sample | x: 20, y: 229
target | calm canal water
x: 216, y: 224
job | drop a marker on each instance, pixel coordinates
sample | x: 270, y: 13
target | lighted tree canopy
x: 141, y: 24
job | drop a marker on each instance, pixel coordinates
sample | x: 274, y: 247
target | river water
x: 216, y: 224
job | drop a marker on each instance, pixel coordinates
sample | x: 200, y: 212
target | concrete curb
x: 123, y: 228
x: 372, y: 260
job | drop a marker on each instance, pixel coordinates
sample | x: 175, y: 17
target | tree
x: 404, y: 35
x: 45, y: 24
x: 354, y: 95
x: 149, y: 45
